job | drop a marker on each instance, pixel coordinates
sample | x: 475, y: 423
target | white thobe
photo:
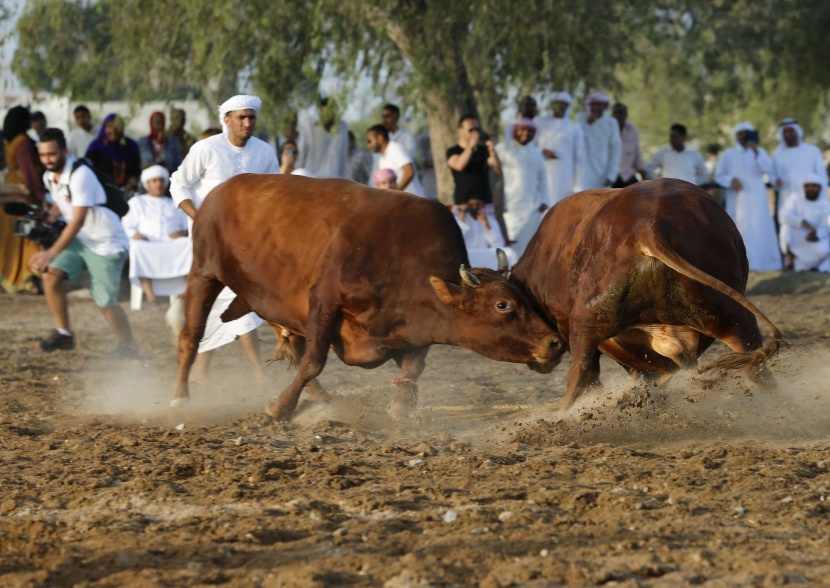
x: 791, y: 165
x: 808, y: 254
x: 210, y: 162
x: 525, y: 190
x: 749, y: 208
x: 687, y: 165
x: 603, y: 152
x: 564, y: 138
x: 161, y: 258
x: 482, y: 242
x: 324, y: 154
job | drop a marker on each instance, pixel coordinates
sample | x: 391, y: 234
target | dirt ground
x: 706, y: 482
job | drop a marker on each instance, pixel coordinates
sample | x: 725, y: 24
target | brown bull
x: 373, y: 274
x: 649, y: 275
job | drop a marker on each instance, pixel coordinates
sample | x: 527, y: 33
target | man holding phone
x: 741, y: 170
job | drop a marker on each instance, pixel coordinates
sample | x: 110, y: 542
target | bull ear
x: 442, y: 290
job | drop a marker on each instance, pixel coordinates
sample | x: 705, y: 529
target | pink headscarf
x: 384, y: 175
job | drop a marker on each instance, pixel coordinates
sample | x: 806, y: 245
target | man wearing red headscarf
x: 158, y: 148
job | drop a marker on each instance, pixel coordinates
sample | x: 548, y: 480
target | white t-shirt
x: 78, y: 140
x: 395, y: 158
x: 102, y: 231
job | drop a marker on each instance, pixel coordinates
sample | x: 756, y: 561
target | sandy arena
x: 707, y: 482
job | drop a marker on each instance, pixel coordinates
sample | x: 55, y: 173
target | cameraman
x: 92, y: 240
x: 470, y: 161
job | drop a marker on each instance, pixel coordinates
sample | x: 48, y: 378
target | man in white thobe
x: 481, y: 237
x: 209, y: 163
x: 741, y: 170
x: 631, y: 160
x: 677, y: 160
x: 792, y: 161
x: 808, y: 216
x: 603, y: 144
x: 525, y: 184
x: 325, y: 150
x: 160, y: 253
x: 562, y: 145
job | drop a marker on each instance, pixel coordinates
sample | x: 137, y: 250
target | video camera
x: 33, y: 225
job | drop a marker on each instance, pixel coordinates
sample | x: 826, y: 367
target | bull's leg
x: 201, y: 293
x: 585, y: 368
x: 412, y: 365
x: 322, y: 321
x: 313, y: 388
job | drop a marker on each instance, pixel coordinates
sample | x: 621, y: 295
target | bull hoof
x: 179, y: 402
x: 278, y: 412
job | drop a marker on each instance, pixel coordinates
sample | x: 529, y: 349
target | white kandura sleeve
x: 723, y: 171
x: 131, y: 219
x: 189, y: 172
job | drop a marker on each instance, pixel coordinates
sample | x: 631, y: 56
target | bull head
x: 468, y: 278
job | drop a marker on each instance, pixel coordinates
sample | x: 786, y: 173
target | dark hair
x: 619, y: 105
x: 466, y: 117
x: 289, y: 142
x: 379, y: 130
x: 18, y: 120
x: 351, y: 135
x: 81, y: 108
x: 38, y: 115
x: 392, y: 108
x: 679, y: 128
x: 54, y: 135
x: 713, y: 148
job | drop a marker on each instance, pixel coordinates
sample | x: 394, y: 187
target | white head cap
x: 239, y: 102
x: 153, y: 172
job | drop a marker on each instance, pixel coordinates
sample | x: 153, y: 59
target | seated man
x: 159, y: 257
x: 807, y: 217
x: 385, y: 179
x: 482, y: 234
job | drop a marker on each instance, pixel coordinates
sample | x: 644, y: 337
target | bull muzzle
x: 547, y: 356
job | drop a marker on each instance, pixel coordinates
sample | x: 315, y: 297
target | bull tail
x: 748, y: 360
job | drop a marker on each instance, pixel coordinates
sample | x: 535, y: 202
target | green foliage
x: 65, y: 47
x: 707, y: 63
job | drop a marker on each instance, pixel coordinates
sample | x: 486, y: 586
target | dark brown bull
x: 373, y: 274
x: 649, y: 275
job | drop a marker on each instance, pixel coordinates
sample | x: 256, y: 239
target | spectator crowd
x: 503, y: 188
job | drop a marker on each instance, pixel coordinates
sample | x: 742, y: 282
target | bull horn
x: 502, y: 257
x: 468, y: 278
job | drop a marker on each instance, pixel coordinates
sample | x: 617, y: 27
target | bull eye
x: 504, y: 306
